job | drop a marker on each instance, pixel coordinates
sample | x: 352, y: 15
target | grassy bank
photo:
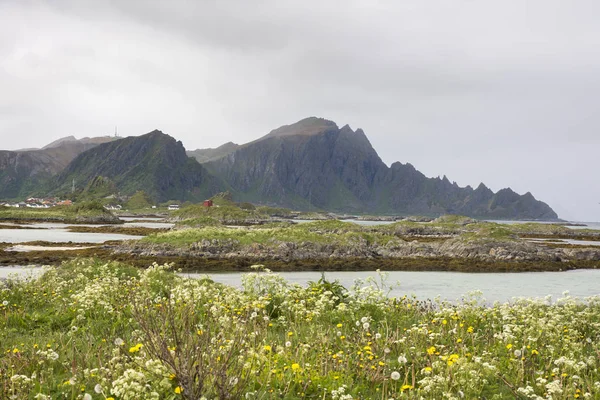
x: 89, y: 212
x: 107, y: 330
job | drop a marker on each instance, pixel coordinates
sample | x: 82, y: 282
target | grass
x: 84, y: 210
x: 345, y: 233
x: 325, y: 232
x: 107, y: 330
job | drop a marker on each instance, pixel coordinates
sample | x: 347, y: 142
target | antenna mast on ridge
x: 73, y: 187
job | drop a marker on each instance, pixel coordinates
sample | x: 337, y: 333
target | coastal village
x: 34, y: 202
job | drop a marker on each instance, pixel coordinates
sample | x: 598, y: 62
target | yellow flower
x: 406, y: 387
x: 470, y: 329
x: 428, y: 369
x: 534, y: 352
x: 178, y: 390
x: 172, y: 376
x: 339, y: 325
x: 267, y: 347
x: 431, y: 350
x: 444, y: 322
x: 15, y: 350
x: 295, y: 367
x: 290, y: 333
x: 135, y: 348
x: 199, y: 332
x: 452, y: 359
x: 508, y: 346
x: 459, y: 340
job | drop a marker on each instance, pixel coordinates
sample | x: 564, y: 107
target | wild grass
x: 95, y: 330
x: 58, y: 213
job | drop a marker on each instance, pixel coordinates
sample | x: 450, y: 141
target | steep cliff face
x: 315, y: 164
x: 155, y: 163
x: 319, y: 166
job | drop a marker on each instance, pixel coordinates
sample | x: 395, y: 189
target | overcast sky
x: 501, y: 92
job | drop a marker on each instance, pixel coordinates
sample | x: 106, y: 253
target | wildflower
x: 290, y: 334
x: 534, y: 352
x: 366, y: 326
x: 470, y: 329
x: 509, y: 346
x: 178, y: 390
x: 295, y: 367
x: 135, y: 348
x: 406, y: 387
x: 431, y: 350
x: 98, y: 388
x: 87, y: 396
x: 339, y: 325
x: 402, y: 359
x: 452, y: 359
x: 267, y: 347
x: 288, y: 344
x: 395, y: 375
x: 517, y: 353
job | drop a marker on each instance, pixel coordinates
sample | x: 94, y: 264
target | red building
x: 207, y: 203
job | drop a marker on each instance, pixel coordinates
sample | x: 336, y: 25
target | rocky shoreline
x: 486, y: 251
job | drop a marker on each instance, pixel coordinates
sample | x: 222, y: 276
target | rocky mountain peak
x: 306, y: 127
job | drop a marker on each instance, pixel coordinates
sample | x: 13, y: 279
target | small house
x: 173, y: 207
x: 207, y: 203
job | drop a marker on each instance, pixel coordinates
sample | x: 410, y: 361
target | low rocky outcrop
x: 457, y: 248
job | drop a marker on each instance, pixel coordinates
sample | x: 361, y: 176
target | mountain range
x: 310, y: 165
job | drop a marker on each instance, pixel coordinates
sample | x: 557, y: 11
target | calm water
x: 566, y: 241
x: 19, y: 271
x: 429, y: 285
x: 452, y: 285
x: 58, y: 235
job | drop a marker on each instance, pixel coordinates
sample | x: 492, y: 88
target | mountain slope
x: 206, y: 155
x: 26, y: 172
x: 322, y: 165
x: 155, y: 163
x: 313, y: 163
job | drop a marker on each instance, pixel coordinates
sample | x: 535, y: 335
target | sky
x: 500, y: 92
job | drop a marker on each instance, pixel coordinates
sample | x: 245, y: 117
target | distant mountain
x: 25, y: 172
x: 155, y: 163
x: 85, y: 141
x: 313, y: 163
x: 206, y: 155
